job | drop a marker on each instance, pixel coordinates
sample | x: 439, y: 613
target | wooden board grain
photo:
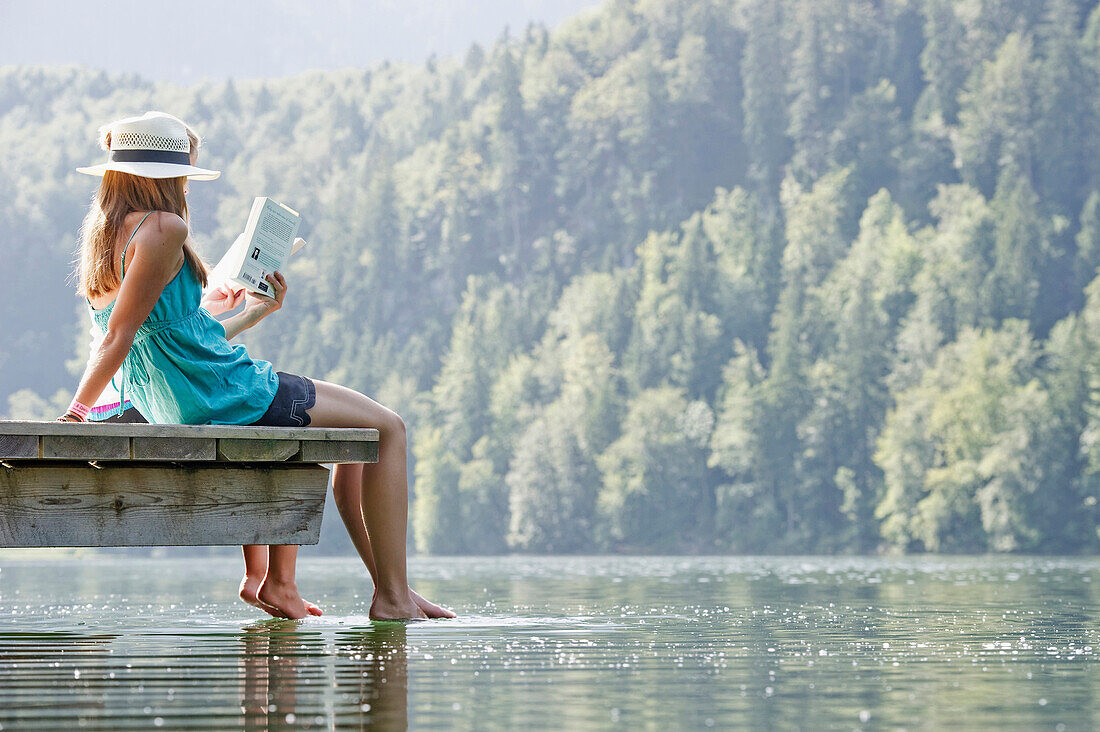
x: 18, y: 446
x: 160, y: 505
x: 101, y: 429
x: 145, y: 442
x: 174, y: 448
x: 257, y: 450
x: 314, y: 451
x: 85, y: 447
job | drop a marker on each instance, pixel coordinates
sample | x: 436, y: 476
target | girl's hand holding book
x: 262, y: 306
x: 257, y: 307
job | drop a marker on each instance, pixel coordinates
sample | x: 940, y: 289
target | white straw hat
x: 154, y: 145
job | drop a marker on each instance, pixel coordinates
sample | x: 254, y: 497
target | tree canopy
x: 697, y: 275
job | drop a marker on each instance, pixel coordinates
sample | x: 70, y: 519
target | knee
x: 394, y: 426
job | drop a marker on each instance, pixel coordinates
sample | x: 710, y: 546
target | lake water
x: 562, y: 643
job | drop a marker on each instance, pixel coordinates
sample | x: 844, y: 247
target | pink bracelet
x: 80, y: 410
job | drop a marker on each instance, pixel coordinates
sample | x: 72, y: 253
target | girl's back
x: 181, y: 369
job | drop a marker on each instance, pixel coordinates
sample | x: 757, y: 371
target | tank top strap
x: 122, y: 386
x: 134, y: 233
x: 123, y: 274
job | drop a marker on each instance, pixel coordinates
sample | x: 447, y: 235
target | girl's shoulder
x: 156, y: 224
x: 158, y: 230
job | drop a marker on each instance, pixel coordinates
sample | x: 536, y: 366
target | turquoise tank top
x: 181, y: 369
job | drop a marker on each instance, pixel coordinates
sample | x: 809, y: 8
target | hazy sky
x: 187, y: 41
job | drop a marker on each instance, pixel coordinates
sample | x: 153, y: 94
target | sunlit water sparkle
x: 563, y: 643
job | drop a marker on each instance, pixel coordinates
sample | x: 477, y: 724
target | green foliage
x: 1087, y: 258
x: 810, y: 275
x: 1020, y: 249
x: 654, y: 492
x: 553, y: 483
x: 967, y: 453
x: 997, y: 115
x: 437, y: 512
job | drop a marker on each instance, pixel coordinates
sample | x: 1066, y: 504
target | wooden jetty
x: 87, y: 484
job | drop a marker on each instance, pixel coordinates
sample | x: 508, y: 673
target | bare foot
x: 250, y: 587
x: 284, y: 598
x: 430, y: 608
x: 385, y: 608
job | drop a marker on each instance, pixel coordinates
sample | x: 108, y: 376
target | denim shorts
x: 130, y: 416
x: 294, y: 396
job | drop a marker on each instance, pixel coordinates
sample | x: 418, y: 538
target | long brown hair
x: 120, y: 194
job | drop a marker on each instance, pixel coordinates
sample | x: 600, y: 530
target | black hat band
x: 150, y: 156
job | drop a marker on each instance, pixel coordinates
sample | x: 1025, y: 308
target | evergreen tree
x: 1088, y: 244
x: 862, y: 301
x: 1020, y: 252
x: 997, y: 117
x: 1065, y: 118
x: 944, y: 59
x: 764, y: 78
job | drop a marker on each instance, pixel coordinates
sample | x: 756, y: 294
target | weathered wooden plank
x: 175, y: 448
x: 160, y: 505
x: 314, y: 451
x: 100, y: 429
x: 79, y: 447
x: 260, y: 451
x: 18, y: 446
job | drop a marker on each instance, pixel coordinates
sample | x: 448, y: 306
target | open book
x: 265, y: 245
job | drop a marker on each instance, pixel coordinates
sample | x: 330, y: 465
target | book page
x: 272, y: 235
x: 230, y: 263
x: 228, y: 266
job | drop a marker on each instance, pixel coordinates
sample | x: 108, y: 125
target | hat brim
x: 153, y: 170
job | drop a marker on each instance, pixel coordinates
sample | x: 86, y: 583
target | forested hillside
x: 690, y: 275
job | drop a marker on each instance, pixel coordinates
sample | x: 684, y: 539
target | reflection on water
x: 278, y: 661
x: 375, y: 684
x: 559, y: 643
x: 282, y: 669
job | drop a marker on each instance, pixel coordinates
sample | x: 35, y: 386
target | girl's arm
x: 257, y: 308
x: 223, y: 297
x: 157, y: 252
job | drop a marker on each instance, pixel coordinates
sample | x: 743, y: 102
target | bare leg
x: 255, y: 569
x: 278, y: 589
x: 347, y: 489
x: 384, y: 496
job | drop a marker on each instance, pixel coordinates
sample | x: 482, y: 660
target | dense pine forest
x: 678, y: 276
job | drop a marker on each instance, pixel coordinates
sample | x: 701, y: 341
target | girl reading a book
x: 143, y: 280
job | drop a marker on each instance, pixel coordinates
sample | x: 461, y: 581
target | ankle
x: 279, y: 578
x: 392, y: 595
x: 279, y: 582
